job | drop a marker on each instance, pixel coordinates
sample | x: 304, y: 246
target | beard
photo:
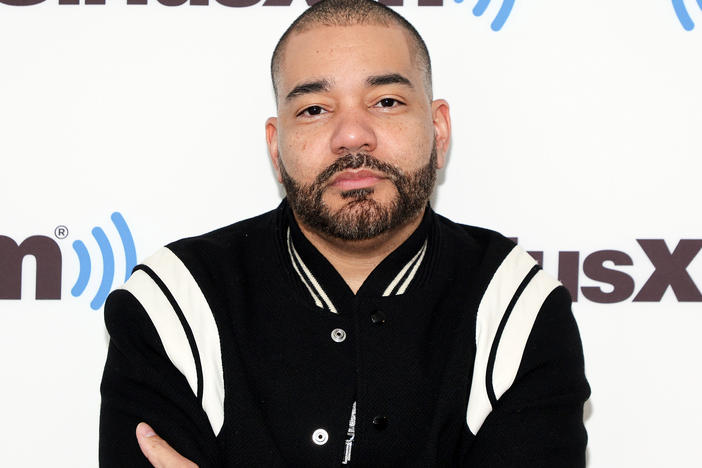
x: 361, y: 217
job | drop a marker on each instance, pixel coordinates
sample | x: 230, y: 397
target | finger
x: 157, y: 450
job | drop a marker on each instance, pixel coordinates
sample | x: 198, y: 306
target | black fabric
x: 285, y: 377
x: 538, y: 422
x: 140, y: 384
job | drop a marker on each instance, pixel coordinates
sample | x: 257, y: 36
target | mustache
x: 357, y: 161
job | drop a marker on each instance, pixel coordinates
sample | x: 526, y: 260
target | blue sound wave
x: 683, y: 15
x: 108, y: 260
x: 127, y: 242
x: 502, y: 15
x: 480, y: 7
x: 84, y: 274
x: 108, y: 268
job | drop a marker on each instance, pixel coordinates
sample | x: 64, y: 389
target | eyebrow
x: 324, y: 84
x: 390, y: 78
x: 308, y: 88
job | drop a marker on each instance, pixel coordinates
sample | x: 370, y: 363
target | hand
x: 157, y: 450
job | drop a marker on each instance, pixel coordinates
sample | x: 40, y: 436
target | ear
x: 442, y: 129
x: 272, y: 142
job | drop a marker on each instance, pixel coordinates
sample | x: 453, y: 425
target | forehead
x: 341, y: 51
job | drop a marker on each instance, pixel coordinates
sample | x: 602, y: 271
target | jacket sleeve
x: 140, y: 383
x: 538, y: 421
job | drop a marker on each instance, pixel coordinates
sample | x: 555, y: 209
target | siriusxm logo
x: 49, y: 261
x: 670, y: 271
x: 683, y: 15
x: 480, y: 7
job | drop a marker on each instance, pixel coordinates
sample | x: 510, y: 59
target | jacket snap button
x: 380, y: 422
x: 338, y: 335
x: 320, y: 437
x: 378, y: 317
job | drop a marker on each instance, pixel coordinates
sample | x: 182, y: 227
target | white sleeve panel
x: 198, y: 314
x: 166, y: 322
x: 496, y: 298
x: 514, y: 338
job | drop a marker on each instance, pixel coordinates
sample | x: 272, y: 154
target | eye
x: 389, y: 102
x: 311, y: 111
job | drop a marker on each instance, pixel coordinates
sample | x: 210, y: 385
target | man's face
x: 357, y: 141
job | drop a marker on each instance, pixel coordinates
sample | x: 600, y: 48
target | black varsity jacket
x: 244, y: 347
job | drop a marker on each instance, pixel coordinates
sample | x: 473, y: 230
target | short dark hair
x: 349, y: 13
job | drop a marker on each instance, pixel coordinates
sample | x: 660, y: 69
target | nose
x: 353, y: 132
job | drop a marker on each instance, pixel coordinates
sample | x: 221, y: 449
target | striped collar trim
x: 397, y: 286
x: 400, y: 283
x: 321, y: 299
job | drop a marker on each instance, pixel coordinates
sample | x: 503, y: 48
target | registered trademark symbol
x: 61, y: 232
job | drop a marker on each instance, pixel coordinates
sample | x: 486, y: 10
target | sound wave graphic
x: 108, y: 260
x: 502, y: 15
x: 683, y: 15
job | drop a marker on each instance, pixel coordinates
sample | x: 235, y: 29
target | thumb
x: 157, y: 450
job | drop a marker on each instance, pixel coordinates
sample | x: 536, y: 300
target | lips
x: 353, y: 180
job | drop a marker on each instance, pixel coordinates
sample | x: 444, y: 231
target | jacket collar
x: 397, y: 274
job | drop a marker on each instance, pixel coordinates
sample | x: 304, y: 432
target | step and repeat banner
x: 126, y: 124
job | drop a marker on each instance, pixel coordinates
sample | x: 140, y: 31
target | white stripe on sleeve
x: 514, y: 338
x: 198, y: 314
x: 497, y: 296
x: 166, y: 322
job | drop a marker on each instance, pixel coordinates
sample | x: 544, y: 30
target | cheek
x: 407, y: 144
x: 302, y: 155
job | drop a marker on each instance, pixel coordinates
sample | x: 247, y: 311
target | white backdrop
x: 577, y: 128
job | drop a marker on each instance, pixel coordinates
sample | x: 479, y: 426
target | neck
x: 355, y: 260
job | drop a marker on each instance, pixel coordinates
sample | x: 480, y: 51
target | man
x: 352, y: 325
